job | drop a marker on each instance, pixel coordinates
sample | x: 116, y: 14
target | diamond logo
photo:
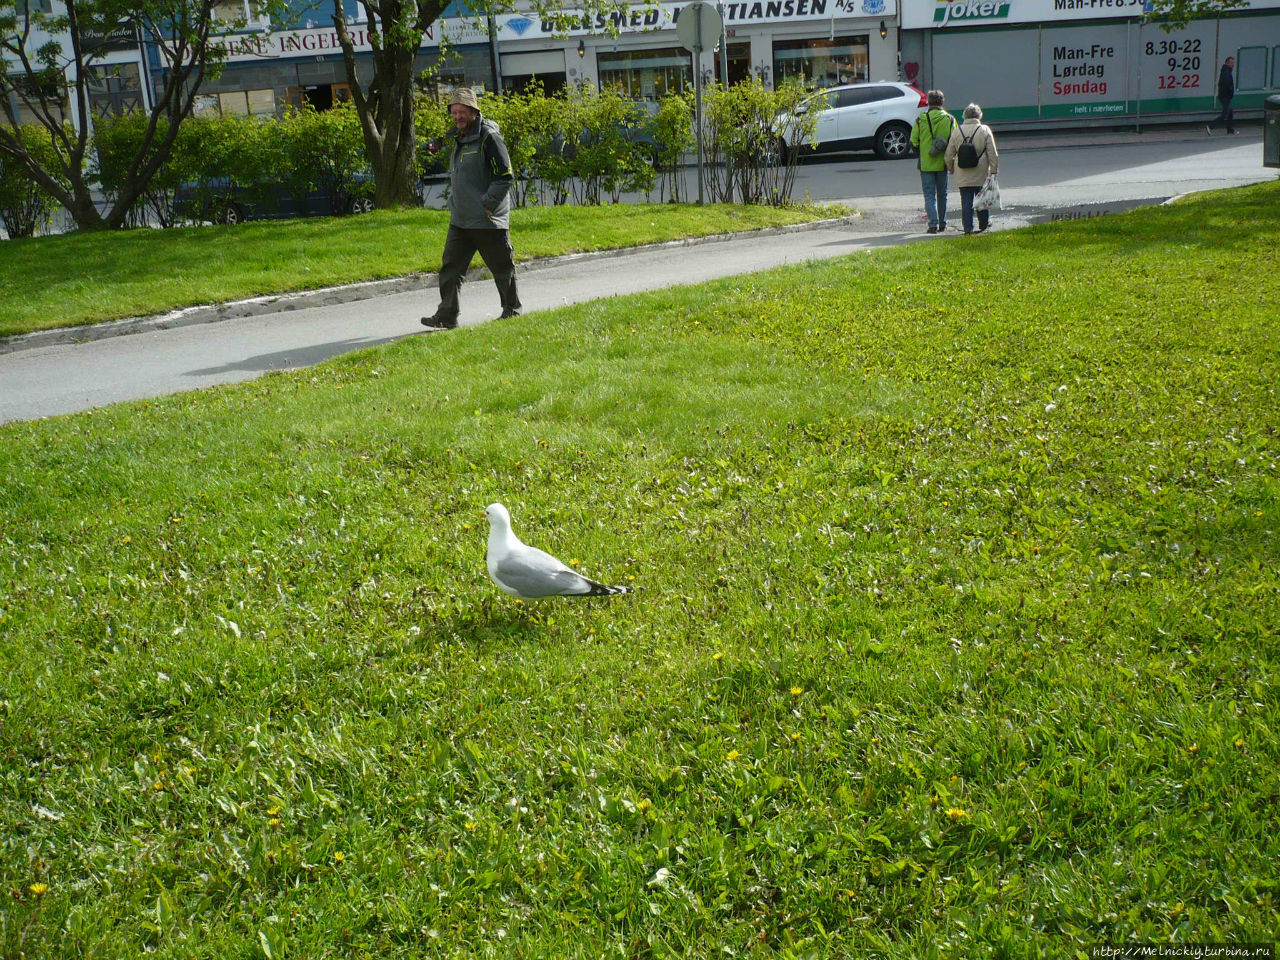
x: 519, y: 25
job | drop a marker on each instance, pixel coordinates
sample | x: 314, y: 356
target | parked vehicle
x: 861, y: 116
x: 223, y: 200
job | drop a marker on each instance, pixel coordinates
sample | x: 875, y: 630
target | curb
x: 347, y: 293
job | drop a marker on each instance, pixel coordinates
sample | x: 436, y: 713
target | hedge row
x: 581, y: 146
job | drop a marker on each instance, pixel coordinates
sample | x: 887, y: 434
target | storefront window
x: 115, y: 89
x: 646, y: 74
x: 821, y: 63
x: 739, y: 63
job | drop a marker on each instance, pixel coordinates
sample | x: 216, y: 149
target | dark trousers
x: 966, y: 210
x: 1226, y: 117
x: 460, y: 246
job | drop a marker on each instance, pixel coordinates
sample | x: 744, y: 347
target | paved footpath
x: 81, y: 368
x: 47, y: 378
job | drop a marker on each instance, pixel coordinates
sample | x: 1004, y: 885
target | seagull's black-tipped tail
x: 603, y: 590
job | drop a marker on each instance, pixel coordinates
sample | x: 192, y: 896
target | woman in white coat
x: 972, y: 133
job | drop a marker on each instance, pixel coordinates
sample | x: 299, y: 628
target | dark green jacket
x: 480, y: 179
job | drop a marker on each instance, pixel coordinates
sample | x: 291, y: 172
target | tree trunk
x: 385, y: 106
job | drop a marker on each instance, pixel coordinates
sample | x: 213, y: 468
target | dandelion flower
x: 717, y: 656
x: 955, y: 813
x: 733, y: 755
x: 274, y: 811
x: 39, y: 889
x: 471, y: 825
x: 273, y: 822
x: 339, y: 856
x: 796, y: 691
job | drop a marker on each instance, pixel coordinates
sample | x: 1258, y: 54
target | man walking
x: 480, y: 179
x: 1226, y: 90
x: 930, y: 136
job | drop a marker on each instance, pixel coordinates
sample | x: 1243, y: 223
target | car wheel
x: 232, y: 214
x: 362, y: 205
x: 893, y: 141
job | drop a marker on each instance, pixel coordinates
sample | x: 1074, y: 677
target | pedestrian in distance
x: 1226, y: 92
x: 930, y: 136
x: 972, y: 157
x: 480, y: 179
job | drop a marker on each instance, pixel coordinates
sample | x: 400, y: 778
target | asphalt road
x: 1040, y: 177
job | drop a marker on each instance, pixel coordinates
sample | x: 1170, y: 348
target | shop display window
x: 115, y: 88
x: 646, y: 74
x: 821, y: 62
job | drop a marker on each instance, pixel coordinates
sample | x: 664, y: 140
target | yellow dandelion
x: 717, y: 656
x: 1194, y: 748
x: 733, y: 755
x: 339, y: 856
x: 1239, y: 743
x: 273, y: 822
x: 274, y: 811
x: 795, y: 736
x: 470, y: 825
x: 644, y: 805
x: 157, y: 785
x: 796, y: 691
x: 955, y: 813
x: 39, y: 889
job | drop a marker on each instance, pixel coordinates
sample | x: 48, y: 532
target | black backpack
x: 967, y: 155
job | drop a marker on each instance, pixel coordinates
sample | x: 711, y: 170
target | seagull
x: 529, y: 573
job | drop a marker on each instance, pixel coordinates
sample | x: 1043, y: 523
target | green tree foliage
x: 1176, y: 14
x: 48, y: 62
x: 25, y: 205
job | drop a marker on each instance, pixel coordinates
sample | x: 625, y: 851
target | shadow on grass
x: 491, y: 620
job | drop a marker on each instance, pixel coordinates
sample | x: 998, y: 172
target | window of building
x: 230, y: 11
x: 1275, y: 66
x: 114, y: 88
x: 646, y: 74
x: 821, y: 62
x: 1251, y: 68
x: 739, y: 63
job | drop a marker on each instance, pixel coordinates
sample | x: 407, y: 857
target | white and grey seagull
x: 529, y: 573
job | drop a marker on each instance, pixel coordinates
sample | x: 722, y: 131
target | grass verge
x: 955, y: 633
x: 73, y: 279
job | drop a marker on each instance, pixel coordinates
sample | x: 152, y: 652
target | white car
x: 864, y: 116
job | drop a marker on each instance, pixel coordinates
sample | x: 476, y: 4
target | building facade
x: 1088, y: 62
x: 823, y: 42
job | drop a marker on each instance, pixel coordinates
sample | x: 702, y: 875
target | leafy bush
x: 671, y: 128
x: 310, y: 150
x: 752, y: 137
x: 117, y: 139
x: 25, y: 206
x: 611, y: 157
x: 528, y: 121
x: 431, y: 124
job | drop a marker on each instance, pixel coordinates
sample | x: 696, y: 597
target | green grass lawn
x: 954, y: 632
x: 74, y: 279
